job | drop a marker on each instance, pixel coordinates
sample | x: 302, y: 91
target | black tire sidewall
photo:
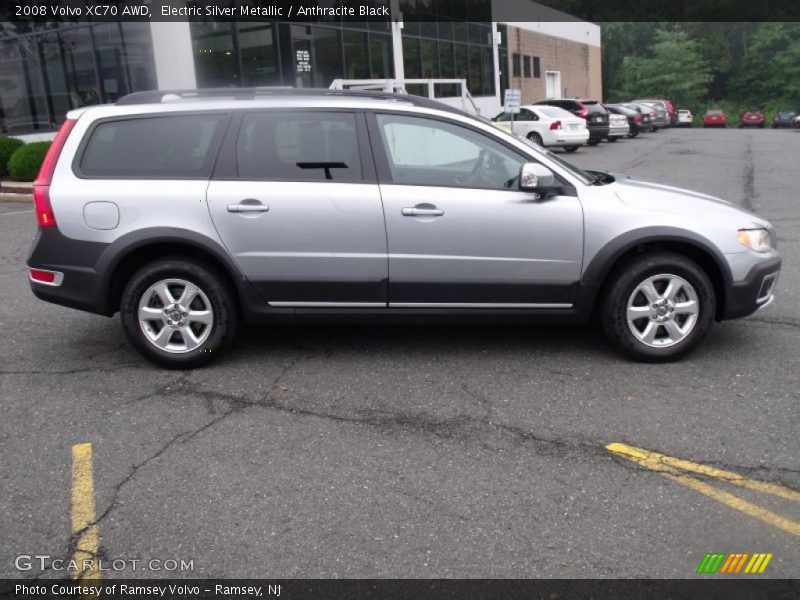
x: 536, y: 138
x: 212, y: 285
x: 622, y: 283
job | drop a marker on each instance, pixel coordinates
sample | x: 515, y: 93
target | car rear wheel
x: 570, y: 148
x: 178, y: 313
x: 535, y: 138
x: 658, y: 307
x: 612, y: 139
x: 592, y: 142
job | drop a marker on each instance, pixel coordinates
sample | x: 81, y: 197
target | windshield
x: 583, y: 176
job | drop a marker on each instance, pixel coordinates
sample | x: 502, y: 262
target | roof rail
x: 158, y: 96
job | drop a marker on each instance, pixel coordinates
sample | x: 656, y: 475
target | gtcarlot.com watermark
x: 45, y: 562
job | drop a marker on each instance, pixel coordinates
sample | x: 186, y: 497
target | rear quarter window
x: 163, y: 147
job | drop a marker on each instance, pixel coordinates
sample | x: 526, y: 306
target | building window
x: 516, y: 71
x: 64, y: 66
x: 537, y: 68
x: 526, y: 66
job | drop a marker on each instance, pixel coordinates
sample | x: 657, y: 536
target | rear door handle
x: 412, y: 211
x: 248, y: 206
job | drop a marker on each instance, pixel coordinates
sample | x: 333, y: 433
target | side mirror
x: 534, y: 176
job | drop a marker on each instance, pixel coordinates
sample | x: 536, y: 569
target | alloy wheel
x: 175, y: 315
x: 662, y: 310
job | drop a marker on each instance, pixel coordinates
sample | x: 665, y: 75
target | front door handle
x: 248, y: 206
x: 413, y: 211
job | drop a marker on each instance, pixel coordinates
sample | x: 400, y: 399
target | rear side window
x: 299, y: 146
x: 173, y: 146
x: 595, y: 108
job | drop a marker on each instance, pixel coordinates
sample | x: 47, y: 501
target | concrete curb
x: 15, y: 197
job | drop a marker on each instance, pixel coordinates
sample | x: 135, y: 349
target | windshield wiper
x: 600, y: 178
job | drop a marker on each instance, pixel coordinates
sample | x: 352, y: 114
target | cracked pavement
x: 405, y: 451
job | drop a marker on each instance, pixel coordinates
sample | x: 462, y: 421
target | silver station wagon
x: 191, y: 212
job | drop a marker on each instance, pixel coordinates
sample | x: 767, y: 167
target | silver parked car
x: 188, y: 212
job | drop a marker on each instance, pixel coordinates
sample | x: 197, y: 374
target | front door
x: 460, y: 233
x: 300, y: 211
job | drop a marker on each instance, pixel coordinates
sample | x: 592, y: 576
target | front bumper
x: 755, y: 291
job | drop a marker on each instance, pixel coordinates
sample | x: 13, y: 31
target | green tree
x: 673, y: 68
x: 770, y: 69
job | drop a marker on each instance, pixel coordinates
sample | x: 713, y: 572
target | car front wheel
x: 178, y: 313
x: 658, y: 308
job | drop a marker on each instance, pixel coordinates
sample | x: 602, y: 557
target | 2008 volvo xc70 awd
x: 190, y: 211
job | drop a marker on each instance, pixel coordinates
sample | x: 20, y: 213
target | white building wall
x: 172, y: 50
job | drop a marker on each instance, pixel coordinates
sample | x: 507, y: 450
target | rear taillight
x: 41, y: 187
x: 583, y: 112
x: 43, y: 276
x: 555, y: 125
x: 638, y: 118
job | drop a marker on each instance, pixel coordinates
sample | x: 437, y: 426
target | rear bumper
x: 82, y: 287
x: 598, y: 132
x: 568, y: 138
x: 619, y: 131
x: 754, y: 292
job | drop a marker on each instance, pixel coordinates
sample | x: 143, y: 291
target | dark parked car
x: 784, y: 118
x: 661, y: 119
x: 668, y: 106
x: 635, y: 118
x: 595, y: 114
x: 714, y: 117
x: 753, y: 117
x: 648, y: 114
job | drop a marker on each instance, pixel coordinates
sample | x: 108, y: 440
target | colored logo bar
x: 734, y: 563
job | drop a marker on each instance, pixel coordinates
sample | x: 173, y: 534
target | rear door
x: 295, y: 200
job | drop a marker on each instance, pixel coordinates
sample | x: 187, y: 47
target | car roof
x: 239, y: 95
x: 227, y: 98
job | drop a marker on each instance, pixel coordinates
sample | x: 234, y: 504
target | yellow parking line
x: 775, y: 489
x: 87, y: 544
x: 16, y: 212
x: 656, y: 462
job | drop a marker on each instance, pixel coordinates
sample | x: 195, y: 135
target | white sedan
x: 685, y: 118
x: 546, y: 126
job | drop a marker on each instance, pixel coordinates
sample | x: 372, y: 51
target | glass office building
x: 50, y: 68
x: 46, y: 69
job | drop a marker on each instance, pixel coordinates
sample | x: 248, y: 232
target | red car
x: 714, y: 118
x: 752, y: 118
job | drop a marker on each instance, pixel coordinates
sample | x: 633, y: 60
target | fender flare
x: 596, y: 271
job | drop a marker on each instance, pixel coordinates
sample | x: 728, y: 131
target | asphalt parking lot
x: 389, y: 451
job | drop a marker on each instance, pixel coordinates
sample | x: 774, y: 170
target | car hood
x: 644, y: 195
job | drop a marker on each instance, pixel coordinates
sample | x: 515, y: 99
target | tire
x: 633, y: 135
x: 592, y: 142
x: 194, y: 342
x: 570, y: 149
x: 611, y: 139
x: 681, y: 330
x: 536, y: 138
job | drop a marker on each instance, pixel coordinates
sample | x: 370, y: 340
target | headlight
x: 756, y: 239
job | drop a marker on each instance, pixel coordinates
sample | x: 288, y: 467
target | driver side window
x: 425, y: 151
